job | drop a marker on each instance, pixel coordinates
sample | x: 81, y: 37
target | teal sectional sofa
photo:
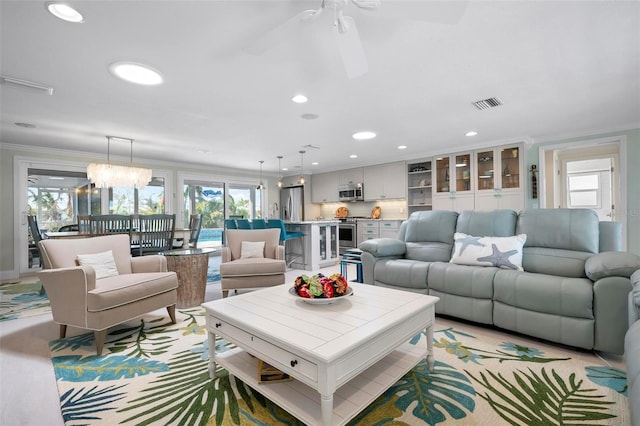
x: 555, y: 274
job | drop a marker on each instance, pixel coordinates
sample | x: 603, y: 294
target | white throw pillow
x: 252, y: 249
x: 502, y: 252
x: 103, y: 263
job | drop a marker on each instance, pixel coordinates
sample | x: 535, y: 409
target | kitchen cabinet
x: 499, y: 178
x: 367, y: 230
x: 351, y: 176
x: 389, y: 228
x: 419, y: 186
x: 384, y: 181
x: 321, y: 246
x: 324, y: 187
x: 453, y: 182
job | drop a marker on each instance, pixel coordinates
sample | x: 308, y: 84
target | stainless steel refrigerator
x: 292, y: 204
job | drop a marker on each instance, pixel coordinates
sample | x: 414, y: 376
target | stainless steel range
x: 348, y: 233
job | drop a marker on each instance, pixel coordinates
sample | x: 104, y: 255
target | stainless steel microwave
x: 351, y: 192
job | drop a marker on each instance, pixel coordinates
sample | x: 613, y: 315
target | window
x: 584, y: 190
x: 148, y: 200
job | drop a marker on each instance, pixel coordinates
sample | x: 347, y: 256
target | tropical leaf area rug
x: 19, y: 300
x: 155, y: 372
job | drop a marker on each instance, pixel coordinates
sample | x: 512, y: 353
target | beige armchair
x: 241, y: 272
x: 79, y: 299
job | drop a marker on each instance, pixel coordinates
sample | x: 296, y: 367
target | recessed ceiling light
x: 309, y: 116
x: 471, y: 133
x: 353, y: 156
x: 315, y: 163
x: 136, y: 73
x: 284, y: 169
x: 299, y: 99
x: 402, y: 147
x: 56, y: 178
x: 65, y: 12
x: 361, y: 136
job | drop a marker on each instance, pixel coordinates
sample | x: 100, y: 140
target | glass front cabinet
x: 499, y: 179
x: 453, y: 182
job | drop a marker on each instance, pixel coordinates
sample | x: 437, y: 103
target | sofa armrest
x: 67, y: 290
x: 225, y: 254
x: 634, y: 298
x: 151, y: 263
x: 382, y: 247
x: 280, y: 253
x: 611, y: 264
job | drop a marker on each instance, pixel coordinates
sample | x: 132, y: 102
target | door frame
x: 620, y: 176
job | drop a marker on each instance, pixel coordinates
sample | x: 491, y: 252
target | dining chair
x: 68, y: 228
x: 258, y: 224
x: 288, y: 236
x: 84, y: 224
x: 243, y: 223
x: 110, y: 224
x: 36, y: 237
x: 195, y: 225
x: 155, y: 234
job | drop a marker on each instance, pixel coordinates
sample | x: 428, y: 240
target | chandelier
x: 110, y: 175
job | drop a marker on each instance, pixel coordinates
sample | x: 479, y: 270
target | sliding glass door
x: 207, y: 199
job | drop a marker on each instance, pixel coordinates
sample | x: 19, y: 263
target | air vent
x: 487, y: 103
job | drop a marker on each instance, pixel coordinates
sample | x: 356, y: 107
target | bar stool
x: 287, y: 236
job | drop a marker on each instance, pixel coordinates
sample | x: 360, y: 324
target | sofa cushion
x: 103, y: 263
x: 611, y: 264
x: 429, y: 251
x: 469, y: 281
x: 563, y: 263
x: 117, y: 291
x: 566, y: 297
x: 496, y: 223
x: 431, y: 226
x: 252, y: 267
x: 501, y: 252
x: 402, y: 273
x: 566, y: 229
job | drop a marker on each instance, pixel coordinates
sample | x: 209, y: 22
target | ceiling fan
x: 345, y: 33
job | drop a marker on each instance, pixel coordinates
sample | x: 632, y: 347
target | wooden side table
x: 191, y: 267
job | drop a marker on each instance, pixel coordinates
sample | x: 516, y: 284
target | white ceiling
x: 560, y: 68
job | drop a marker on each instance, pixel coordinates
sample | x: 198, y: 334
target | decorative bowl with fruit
x: 320, y: 289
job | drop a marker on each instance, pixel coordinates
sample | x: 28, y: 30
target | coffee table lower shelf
x: 350, y: 399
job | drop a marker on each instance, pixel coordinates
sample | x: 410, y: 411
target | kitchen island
x: 320, y: 243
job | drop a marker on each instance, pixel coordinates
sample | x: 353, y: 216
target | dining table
x: 180, y: 234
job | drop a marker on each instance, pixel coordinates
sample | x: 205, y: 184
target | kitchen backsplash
x: 391, y: 209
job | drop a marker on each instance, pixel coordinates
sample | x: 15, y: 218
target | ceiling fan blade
x: 276, y: 35
x: 350, y: 48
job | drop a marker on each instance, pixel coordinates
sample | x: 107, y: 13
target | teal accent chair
x: 230, y: 224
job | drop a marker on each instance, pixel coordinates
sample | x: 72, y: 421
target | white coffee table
x: 342, y: 355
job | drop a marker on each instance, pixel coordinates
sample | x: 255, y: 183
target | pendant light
x: 301, y: 181
x: 260, y: 185
x: 109, y: 175
x: 279, y: 171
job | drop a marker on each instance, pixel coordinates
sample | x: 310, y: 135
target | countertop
x: 314, y: 222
